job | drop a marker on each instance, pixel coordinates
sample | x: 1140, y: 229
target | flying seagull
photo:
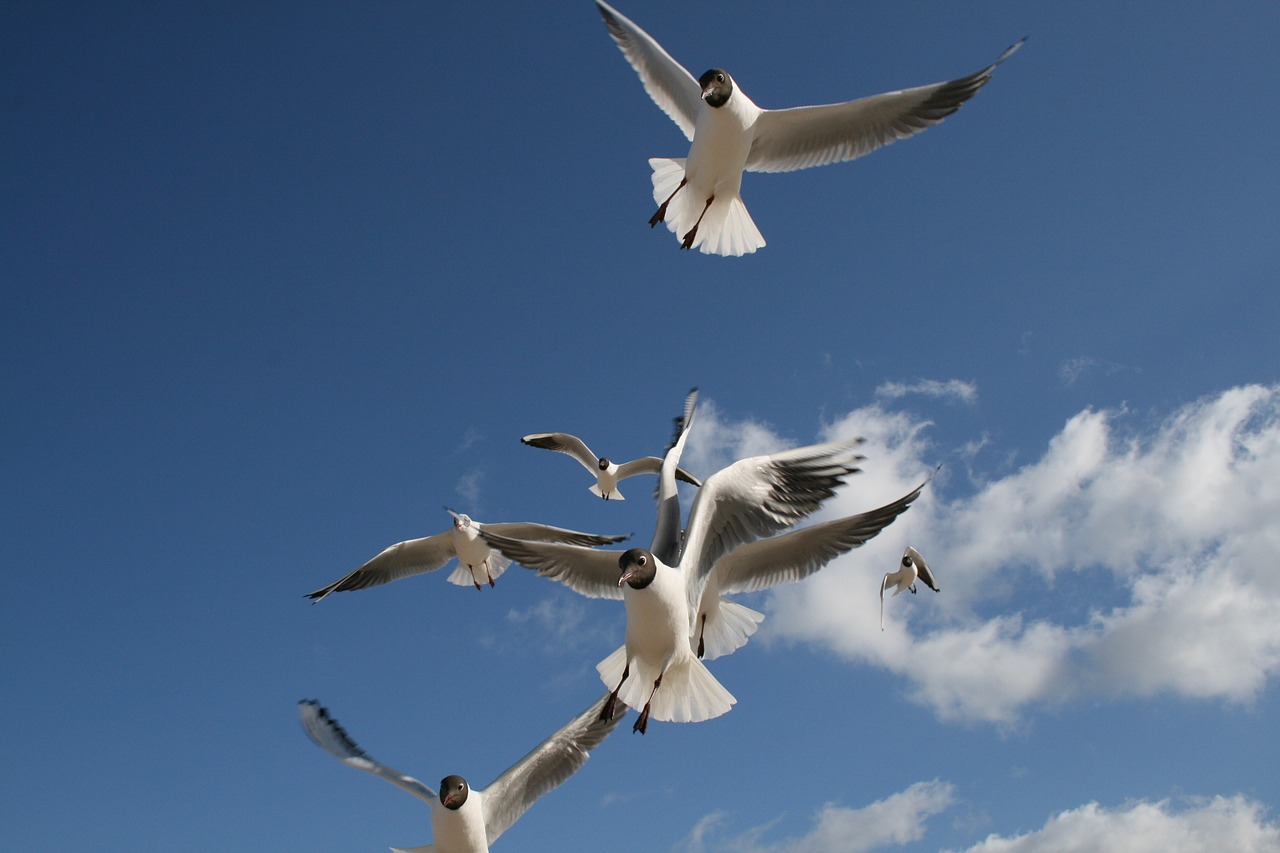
x: 606, y: 471
x: 476, y: 563
x: 656, y: 669
x: 913, y: 567
x: 463, y: 819
x: 698, y: 195
x: 723, y: 626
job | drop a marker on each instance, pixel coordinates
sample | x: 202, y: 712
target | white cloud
x: 898, y: 819
x: 1199, y: 826
x: 1174, y: 530
x: 468, y: 488
x: 965, y: 392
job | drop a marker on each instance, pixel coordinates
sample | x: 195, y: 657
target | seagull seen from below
x: 655, y: 669
x: 477, y: 564
x: 464, y: 819
x: 913, y: 566
x: 723, y: 626
x: 607, y: 472
x: 698, y: 195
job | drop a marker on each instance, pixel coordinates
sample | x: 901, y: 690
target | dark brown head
x: 638, y: 568
x: 717, y: 86
x: 453, y: 792
x: 604, y: 463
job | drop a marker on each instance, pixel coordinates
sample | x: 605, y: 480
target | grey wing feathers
x: 665, y: 544
x: 923, y: 573
x: 562, y: 442
x: 412, y: 557
x: 669, y: 84
x: 545, y: 767
x: 796, y: 555
x: 802, y: 137
x: 530, y: 532
x: 584, y: 570
x: 333, y: 739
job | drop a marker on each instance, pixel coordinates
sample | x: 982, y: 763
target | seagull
x: 722, y: 626
x: 476, y: 562
x: 698, y: 195
x: 656, y: 669
x: 607, y: 472
x: 463, y: 819
x: 913, y: 567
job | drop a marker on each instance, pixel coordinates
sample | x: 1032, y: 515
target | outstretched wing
x: 584, y: 570
x: 801, y: 137
x: 923, y: 572
x: 401, y: 560
x: 546, y: 766
x: 671, y: 86
x: 331, y: 737
x: 570, y: 445
x: 666, y: 532
x: 531, y: 532
x: 756, y: 497
x: 796, y: 555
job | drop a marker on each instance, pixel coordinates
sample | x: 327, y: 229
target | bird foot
x: 659, y: 216
x: 477, y: 583
x: 610, y: 708
x: 642, y: 722
x: 687, y: 242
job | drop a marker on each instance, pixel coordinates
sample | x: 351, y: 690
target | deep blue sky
x: 283, y: 280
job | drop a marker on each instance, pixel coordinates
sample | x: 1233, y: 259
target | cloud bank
x: 1124, y: 561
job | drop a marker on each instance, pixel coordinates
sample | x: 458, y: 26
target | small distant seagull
x: 465, y: 820
x: 656, y: 670
x: 913, y: 566
x: 723, y: 626
x: 607, y: 472
x: 476, y: 562
x: 698, y: 196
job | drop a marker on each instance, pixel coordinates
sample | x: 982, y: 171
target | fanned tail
x: 689, y: 692
x: 726, y: 228
x: 727, y: 629
x: 461, y: 575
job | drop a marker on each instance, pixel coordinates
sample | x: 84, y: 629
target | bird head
x: 637, y: 568
x: 453, y: 792
x: 717, y: 86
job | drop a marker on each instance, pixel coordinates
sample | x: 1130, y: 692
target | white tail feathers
x: 726, y: 227
x: 727, y: 629
x: 615, y: 495
x: 461, y: 574
x: 689, y: 692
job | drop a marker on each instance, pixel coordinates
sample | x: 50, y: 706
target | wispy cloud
x: 896, y: 820
x: 1190, y: 826
x: 1074, y: 369
x: 955, y: 389
x: 468, y: 488
x: 1174, y: 526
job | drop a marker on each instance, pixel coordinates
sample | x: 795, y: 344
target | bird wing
x: 756, y: 497
x: 672, y: 87
x: 413, y: 557
x: 528, y: 531
x: 796, y: 555
x: 570, y: 445
x: 584, y: 570
x: 923, y: 572
x: 331, y: 737
x: 801, y: 137
x: 666, y: 532
x: 546, y: 766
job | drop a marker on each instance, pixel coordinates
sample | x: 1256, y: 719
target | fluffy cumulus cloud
x: 1197, y: 826
x: 1122, y: 561
x: 896, y: 820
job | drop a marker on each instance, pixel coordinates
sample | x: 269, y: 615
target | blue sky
x: 283, y: 280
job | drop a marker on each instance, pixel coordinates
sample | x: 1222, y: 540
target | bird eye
x: 643, y: 560
x: 906, y: 561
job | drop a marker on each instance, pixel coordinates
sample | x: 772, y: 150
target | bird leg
x: 642, y: 722
x: 702, y: 637
x: 687, y: 242
x: 607, y: 712
x: 662, y: 209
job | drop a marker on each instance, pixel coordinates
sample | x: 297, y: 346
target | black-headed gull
x: 656, y: 669
x: 464, y: 819
x: 723, y: 626
x: 476, y: 562
x: 698, y: 196
x: 606, y: 471
x: 912, y: 567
